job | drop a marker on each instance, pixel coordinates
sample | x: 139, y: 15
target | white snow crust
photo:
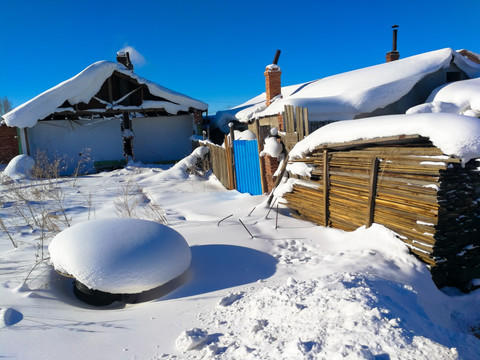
x: 455, y: 135
x: 120, y: 256
x: 83, y: 86
x: 20, y: 167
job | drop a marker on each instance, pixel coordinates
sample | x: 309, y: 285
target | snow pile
x: 244, y: 135
x: 384, y: 305
x: 461, y: 97
x: 20, y: 167
x: 271, y: 147
x: 190, y: 339
x: 346, y: 315
x: 434, y: 107
x: 83, y: 87
x: 120, y: 256
x: 186, y: 166
x: 455, y: 135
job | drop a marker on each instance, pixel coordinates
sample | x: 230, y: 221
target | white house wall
x: 67, y: 139
x: 162, y: 138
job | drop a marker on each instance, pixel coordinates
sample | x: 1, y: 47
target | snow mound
x: 120, y: 256
x: 186, y: 166
x: 341, y: 316
x: 461, y: 97
x: 20, y: 167
x: 271, y: 147
x: 190, y: 339
x: 454, y: 134
x: 245, y: 135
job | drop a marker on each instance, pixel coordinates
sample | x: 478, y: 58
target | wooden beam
x: 372, y: 191
x: 390, y: 140
x: 325, y: 187
x: 110, y: 90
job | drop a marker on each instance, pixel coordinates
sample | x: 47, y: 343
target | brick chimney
x: 272, y: 79
x: 124, y: 58
x: 394, y: 54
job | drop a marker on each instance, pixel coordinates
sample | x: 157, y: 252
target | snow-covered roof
x: 84, y: 86
x: 346, y: 95
x: 455, y: 135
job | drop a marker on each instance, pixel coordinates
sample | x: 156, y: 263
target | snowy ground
x: 293, y: 291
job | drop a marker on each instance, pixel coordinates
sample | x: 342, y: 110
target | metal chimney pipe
x: 395, y: 30
x: 277, y: 55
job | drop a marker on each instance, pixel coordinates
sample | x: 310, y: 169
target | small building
x: 106, y: 115
x: 417, y: 175
x: 389, y: 88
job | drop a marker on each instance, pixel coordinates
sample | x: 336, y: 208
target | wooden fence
x: 221, y: 163
x: 295, y: 122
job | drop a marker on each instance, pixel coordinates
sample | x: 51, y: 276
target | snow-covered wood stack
x: 427, y: 195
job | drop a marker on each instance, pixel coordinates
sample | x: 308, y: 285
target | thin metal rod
x: 250, y: 213
x: 266, y: 216
x: 241, y: 222
x: 226, y: 217
x: 276, y: 219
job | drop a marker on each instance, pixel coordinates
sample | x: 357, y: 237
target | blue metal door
x: 247, y: 166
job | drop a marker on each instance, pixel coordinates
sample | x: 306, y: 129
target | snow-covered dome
x: 20, y: 167
x: 120, y: 256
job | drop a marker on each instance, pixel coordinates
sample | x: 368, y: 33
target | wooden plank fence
x: 295, y: 121
x: 221, y: 163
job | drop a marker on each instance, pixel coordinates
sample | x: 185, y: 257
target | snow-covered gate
x: 247, y: 166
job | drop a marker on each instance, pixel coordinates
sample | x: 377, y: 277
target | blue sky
x: 216, y: 51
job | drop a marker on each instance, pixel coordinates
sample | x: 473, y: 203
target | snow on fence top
x: 83, y: 87
x: 456, y: 135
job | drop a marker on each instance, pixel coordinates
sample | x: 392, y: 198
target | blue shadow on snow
x: 216, y: 267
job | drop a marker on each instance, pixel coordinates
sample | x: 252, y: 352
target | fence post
x: 372, y: 191
x: 326, y: 189
x: 260, y: 158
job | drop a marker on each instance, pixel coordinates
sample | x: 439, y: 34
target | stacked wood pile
x: 406, y: 184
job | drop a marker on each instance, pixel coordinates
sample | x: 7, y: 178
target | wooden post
x: 325, y: 187
x: 372, y: 191
x: 228, y: 160
x: 27, y: 141
x: 232, y: 156
x: 110, y: 91
x: 305, y: 119
x: 299, y: 121
x: 292, y: 118
x: 260, y: 158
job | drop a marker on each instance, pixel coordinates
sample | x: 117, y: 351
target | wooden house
x: 105, y: 115
x: 422, y: 184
